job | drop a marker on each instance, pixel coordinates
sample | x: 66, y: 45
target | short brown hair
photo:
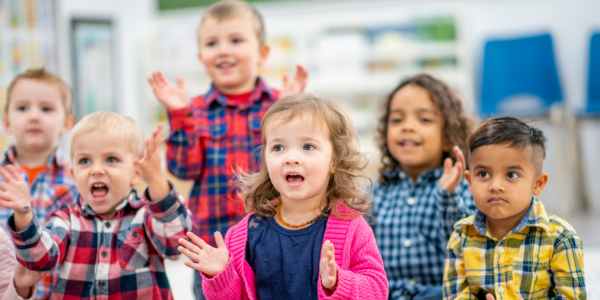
x: 344, y: 184
x: 41, y: 74
x: 228, y: 9
x: 457, y: 125
x: 511, y: 132
x: 113, y: 123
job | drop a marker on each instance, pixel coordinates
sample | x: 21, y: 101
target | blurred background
x: 535, y: 59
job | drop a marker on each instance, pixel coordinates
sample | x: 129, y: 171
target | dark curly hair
x: 457, y: 125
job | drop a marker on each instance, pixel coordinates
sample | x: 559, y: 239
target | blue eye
x: 512, y: 175
x: 84, y: 161
x: 277, y: 148
x: 112, y: 159
x: 483, y: 174
x: 308, y: 147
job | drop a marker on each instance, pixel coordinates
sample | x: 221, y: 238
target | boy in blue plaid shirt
x: 37, y: 112
x: 421, y: 193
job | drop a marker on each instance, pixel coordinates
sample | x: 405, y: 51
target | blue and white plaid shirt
x: 413, y: 224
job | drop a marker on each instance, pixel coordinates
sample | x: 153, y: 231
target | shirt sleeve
x: 455, y: 205
x: 185, y: 154
x: 566, y: 267
x: 166, y: 221
x: 42, y: 249
x: 455, y: 278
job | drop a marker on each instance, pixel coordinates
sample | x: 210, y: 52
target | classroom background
x: 536, y: 59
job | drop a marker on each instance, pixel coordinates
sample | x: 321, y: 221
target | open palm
x: 171, y: 96
x: 206, y: 259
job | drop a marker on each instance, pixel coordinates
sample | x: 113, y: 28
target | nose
x: 97, y: 169
x: 292, y: 158
x: 497, y: 185
x: 408, y: 125
x: 34, y: 114
x: 224, y: 48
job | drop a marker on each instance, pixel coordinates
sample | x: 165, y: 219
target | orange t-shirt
x: 33, y: 172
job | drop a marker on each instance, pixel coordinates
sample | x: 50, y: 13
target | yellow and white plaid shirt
x: 542, y: 258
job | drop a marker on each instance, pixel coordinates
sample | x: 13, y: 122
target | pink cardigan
x: 8, y: 259
x: 360, y: 268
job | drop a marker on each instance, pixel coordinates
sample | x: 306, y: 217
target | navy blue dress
x: 285, y: 262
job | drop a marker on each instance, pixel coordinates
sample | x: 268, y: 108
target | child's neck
x: 298, y: 212
x: 500, y: 228
x: 238, y: 90
x: 33, y: 158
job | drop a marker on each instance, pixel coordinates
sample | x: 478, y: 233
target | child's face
x: 503, y: 179
x: 36, y: 116
x: 230, y: 51
x: 299, y: 159
x: 103, y: 170
x: 414, y: 135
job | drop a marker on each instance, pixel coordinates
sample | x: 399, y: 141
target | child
x: 214, y: 134
x: 421, y: 195
x: 111, y: 243
x: 304, y: 238
x: 511, y: 248
x: 20, y: 284
x: 38, y: 111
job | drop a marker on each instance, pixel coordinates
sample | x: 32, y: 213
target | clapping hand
x: 171, y: 96
x: 327, y: 266
x: 206, y: 259
x: 453, y: 174
x: 296, y: 85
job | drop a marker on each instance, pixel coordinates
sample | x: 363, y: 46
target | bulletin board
x: 27, y: 40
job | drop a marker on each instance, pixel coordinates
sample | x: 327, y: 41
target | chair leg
x: 575, y: 161
x: 556, y: 119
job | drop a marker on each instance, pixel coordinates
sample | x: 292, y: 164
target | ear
x: 69, y: 123
x: 264, y: 53
x: 72, y: 174
x: 468, y: 177
x: 540, y: 183
x: 6, y: 124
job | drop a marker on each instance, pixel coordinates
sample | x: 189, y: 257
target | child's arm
x: 166, y: 220
x: 15, y: 195
x: 365, y: 278
x: 216, y: 264
x: 22, y: 285
x: 185, y: 153
x: 455, y: 278
x: 455, y: 200
x: 566, y: 267
x: 295, y: 86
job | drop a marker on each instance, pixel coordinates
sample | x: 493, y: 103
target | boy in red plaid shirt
x: 112, y: 243
x: 216, y: 134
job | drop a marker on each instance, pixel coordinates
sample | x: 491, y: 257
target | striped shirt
x: 50, y: 189
x: 413, y: 224
x: 118, y: 258
x: 211, y: 140
x: 541, y: 258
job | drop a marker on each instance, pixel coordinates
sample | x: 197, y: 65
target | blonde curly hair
x: 346, y: 184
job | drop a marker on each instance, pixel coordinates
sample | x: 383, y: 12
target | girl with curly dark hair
x: 421, y: 192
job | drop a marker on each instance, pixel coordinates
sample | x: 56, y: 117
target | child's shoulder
x: 560, y: 228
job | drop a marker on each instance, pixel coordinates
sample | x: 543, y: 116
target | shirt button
x: 107, y: 224
x: 500, y: 290
x: 407, y: 243
x: 101, y: 283
x: 410, y: 201
x: 412, y: 282
x: 501, y: 249
x: 402, y: 175
x: 104, y: 254
x: 135, y: 234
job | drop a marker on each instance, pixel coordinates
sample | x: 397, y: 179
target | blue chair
x: 593, y: 96
x: 519, y: 77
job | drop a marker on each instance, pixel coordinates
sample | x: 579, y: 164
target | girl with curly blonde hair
x: 304, y: 237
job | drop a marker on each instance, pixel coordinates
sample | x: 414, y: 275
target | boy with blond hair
x: 511, y: 248
x: 38, y: 111
x: 216, y: 134
x: 111, y: 243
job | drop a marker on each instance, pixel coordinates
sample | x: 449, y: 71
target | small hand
x: 328, y: 266
x: 296, y: 85
x: 150, y: 167
x: 206, y: 259
x: 172, y: 97
x: 25, y: 279
x: 14, y: 192
x: 491, y: 297
x: 453, y: 174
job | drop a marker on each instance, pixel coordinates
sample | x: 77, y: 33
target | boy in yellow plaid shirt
x: 511, y: 248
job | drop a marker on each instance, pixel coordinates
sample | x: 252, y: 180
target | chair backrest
x: 519, y: 77
x: 593, y: 97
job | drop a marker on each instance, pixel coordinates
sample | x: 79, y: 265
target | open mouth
x: 294, y: 178
x: 409, y: 144
x: 225, y: 65
x: 99, y: 190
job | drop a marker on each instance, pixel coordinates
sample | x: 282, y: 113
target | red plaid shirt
x: 210, y: 141
x: 101, y: 258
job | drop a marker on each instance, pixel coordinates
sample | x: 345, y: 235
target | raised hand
x: 491, y: 297
x: 296, y: 85
x: 327, y: 266
x: 172, y: 97
x: 206, y: 259
x: 25, y: 279
x: 453, y: 174
x: 150, y: 167
x: 15, y: 195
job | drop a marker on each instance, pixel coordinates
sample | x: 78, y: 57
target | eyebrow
x: 427, y: 110
x: 515, y: 167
